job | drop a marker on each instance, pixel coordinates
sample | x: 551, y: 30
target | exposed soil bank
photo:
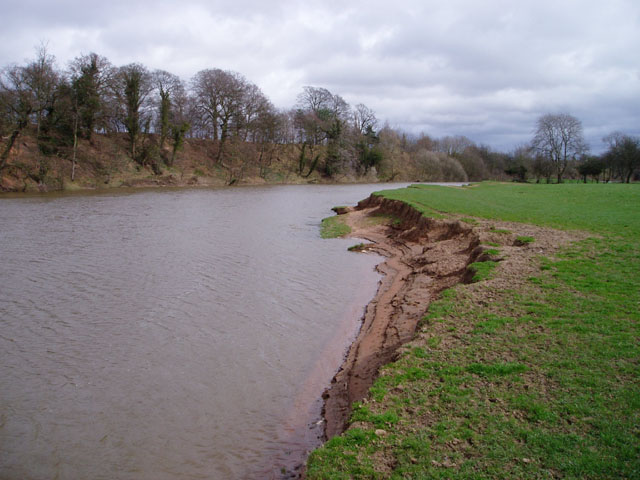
x: 424, y: 257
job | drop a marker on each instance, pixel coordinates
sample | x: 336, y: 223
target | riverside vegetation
x: 536, y: 377
x: 95, y: 125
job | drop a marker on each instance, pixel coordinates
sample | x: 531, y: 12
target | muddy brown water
x: 172, y: 334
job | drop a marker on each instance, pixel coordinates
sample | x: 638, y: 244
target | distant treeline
x: 157, y: 112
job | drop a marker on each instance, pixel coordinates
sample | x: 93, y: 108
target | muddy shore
x: 423, y: 257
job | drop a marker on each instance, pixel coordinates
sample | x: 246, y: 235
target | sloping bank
x: 398, y: 421
x: 424, y: 256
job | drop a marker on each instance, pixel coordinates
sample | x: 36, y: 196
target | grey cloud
x: 481, y: 69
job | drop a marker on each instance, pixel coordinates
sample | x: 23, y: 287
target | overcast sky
x: 484, y: 69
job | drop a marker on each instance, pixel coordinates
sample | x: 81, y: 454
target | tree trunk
x: 5, y: 154
x: 133, y: 149
x: 223, y: 138
x: 75, y: 148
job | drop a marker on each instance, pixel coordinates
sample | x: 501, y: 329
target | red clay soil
x: 424, y: 256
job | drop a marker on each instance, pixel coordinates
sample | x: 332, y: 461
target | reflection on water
x: 171, y: 334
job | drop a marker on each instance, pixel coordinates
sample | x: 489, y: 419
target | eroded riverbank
x: 423, y: 257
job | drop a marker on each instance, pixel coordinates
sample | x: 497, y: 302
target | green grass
x: 334, y: 227
x: 594, y: 207
x: 543, y: 382
x: 523, y: 239
x: 481, y: 270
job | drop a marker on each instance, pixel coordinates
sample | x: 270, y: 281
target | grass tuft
x: 481, y: 270
x: 524, y: 240
x: 334, y: 227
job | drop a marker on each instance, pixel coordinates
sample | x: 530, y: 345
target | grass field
x: 542, y: 382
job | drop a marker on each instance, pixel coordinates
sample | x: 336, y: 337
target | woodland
x: 93, y: 124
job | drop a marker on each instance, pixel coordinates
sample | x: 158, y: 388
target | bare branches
x: 560, y: 140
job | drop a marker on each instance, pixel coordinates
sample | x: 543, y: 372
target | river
x: 161, y: 334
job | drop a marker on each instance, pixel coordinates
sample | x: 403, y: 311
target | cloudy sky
x: 484, y: 69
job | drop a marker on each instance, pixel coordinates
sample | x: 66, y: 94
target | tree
x: 26, y: 93
x: 519, y: 163
x: 320, y: 120
x: 559, y: 138
x: 219, y: 95
x: 90, y: 76
x: 473, y: 164
x: 453, y: 145
x: 518, y: 172
x: 178, y: 133
x: 133, y: 86
x: 17, y: 103
x: 590, y: 167
x: 167, y: 85
x: 542, y: 168
x: 439, y: 167
x: 365, y: 139
x: 250, y: 117
x: 42, y: 78
x: 625, y: 155
x: 364, y: 119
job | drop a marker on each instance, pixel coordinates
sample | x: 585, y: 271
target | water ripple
x: 163, y: 334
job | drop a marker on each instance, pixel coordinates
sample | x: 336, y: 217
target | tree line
x: 558, y: 150
x: 157, y: 112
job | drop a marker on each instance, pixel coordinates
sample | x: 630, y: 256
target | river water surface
x: 172, y: 334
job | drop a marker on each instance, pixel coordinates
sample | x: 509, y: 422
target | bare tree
x: 453, y: 145
x: 559, y: 138
x: 473, y: 163
x: 219, y: 95
x: 42, y: 78
x: 253, y: 104
x: 17, y: 103
x: 623, y: 154
x: 438, y: 166
x: 364, y: 119
x: 424, y: 142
